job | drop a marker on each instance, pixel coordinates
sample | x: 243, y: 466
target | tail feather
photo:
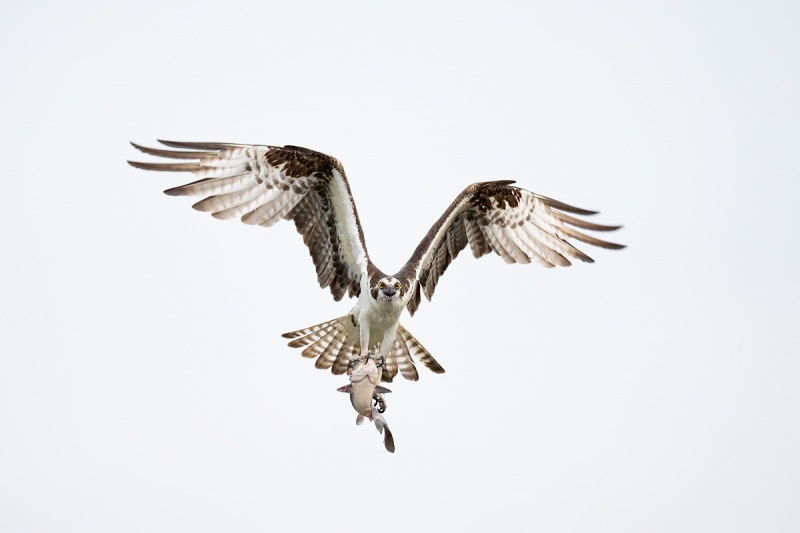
x: 309, y: 330
x: 389, y: 370
x: 312, y: 334
x: 418, y: 350
x: 335, y: 342
x: 328, y: 356
x: 329, y: 342
x: 319, y: 347
x: 342, y: 362
x: 404, y: 361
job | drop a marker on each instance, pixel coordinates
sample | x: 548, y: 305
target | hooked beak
x: 389, y: 292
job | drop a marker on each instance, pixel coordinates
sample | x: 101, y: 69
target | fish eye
x: 397, y: 286
x: 381, y: 285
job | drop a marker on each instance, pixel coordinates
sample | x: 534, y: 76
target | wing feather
x: 211, y: 186
x: 223, y: 202
x: 267, y: 214
x: 496, y: 216
x: 552, y: 251
x: 588, y: 239
x: 476, y: 241
x: 248, y: 203
x: 263, y: 184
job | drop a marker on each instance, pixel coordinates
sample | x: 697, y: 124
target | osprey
x: 264, y: 184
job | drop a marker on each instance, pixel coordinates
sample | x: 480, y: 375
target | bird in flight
x: 263, y: 184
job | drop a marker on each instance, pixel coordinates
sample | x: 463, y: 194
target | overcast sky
x: 144, y: 385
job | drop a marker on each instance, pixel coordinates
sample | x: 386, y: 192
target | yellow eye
x: 381, y: 285
x: 397, y: 286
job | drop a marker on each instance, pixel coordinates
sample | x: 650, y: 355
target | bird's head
x: 387, y: 289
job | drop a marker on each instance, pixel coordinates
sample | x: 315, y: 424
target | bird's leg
x: 355, y: 360
x: 386, y: 346
x: 363, y: 333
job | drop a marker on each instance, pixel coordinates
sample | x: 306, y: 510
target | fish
x: 366, y: 396
x: 381, y: 426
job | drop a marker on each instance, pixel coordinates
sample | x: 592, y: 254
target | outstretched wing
x: 263, y: 184
x: 495, y: 216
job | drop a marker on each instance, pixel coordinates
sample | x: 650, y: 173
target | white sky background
x: 144, y: 385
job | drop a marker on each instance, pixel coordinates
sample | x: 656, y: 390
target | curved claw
x: 380, y: 403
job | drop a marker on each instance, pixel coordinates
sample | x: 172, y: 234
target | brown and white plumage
x: 495, y: 216
x: 264, y: 184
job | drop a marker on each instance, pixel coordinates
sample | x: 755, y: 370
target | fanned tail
x: 335, y: 342
x: 417, y: 350
x: 330, y: 343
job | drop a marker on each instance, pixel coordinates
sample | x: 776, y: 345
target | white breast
x: 377, y: 316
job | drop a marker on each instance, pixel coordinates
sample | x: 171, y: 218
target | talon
x: 380, y: 403
x: 381, y: 360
